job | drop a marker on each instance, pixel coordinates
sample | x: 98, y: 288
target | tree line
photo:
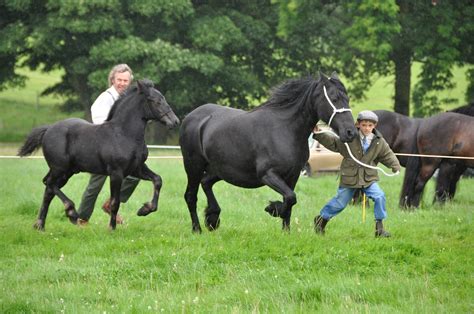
x: 231, y: 52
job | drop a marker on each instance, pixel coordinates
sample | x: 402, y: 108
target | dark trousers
x: 96, y: 182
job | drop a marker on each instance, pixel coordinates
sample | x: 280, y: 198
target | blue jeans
x: 344, y: 196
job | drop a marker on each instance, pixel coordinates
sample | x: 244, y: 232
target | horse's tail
x: 33, y: 141
x: 412, y: 170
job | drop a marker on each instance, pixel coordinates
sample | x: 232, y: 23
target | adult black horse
x: 444, y: 134
x: 265, y: 146
x: 116, y: 148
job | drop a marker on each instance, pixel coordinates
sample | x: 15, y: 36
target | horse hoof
x: 274, y: 208
x: 145, y: 210
x: 212, y: 222
x: 197, y: 230
x: 72, y: 215
x: 39, y: 225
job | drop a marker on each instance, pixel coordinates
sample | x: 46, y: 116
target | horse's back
x: 196, y: 121
x: 448, y: 133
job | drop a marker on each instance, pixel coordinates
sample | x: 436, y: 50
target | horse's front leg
x: 278, y: 209
x: 146, y: 174
x: 116, y: 179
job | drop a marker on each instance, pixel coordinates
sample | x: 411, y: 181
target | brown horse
x: 448, y: 134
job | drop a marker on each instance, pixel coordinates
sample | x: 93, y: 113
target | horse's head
x: 156, y: 107
x: 334, y: 107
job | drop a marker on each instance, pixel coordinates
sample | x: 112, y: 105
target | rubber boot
x: 380, y: 231
x: 320, y: 224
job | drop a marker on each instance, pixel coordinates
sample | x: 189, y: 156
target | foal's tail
x: 33, y: 141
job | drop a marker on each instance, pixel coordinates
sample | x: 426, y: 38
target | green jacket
x: 354, y: 175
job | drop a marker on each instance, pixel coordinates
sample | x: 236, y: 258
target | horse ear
x: 142, y: 87
x: 335, y: 76
x: 323, y: 76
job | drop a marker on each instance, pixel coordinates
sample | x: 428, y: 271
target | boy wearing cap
x: 370, y: 148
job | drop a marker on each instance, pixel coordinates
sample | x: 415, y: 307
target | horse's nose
x: 350, y: 133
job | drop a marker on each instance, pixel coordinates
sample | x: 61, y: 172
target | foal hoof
x: 212, y: 222
x: 275, y: 209
x: 39, y: 225
x: 145, y: 210
x: 72, y: 215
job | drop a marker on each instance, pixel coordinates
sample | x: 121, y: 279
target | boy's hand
x: 316, y: 129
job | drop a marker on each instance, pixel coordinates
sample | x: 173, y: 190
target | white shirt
x: 369, y: 138
x: 102, y: 105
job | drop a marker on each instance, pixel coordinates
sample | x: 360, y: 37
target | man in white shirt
x: 120, y: 78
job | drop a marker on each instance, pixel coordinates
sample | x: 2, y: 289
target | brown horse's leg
x: 448, y: 177
x: 213, y: 209
x: 428, y: 167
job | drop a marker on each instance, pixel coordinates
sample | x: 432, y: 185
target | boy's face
x: 366, y: 126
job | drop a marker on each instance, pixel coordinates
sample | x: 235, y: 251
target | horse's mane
x: 290, y: 93
x: 132, y: 89
x: 466, y: 109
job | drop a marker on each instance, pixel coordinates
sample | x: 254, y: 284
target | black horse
x: 444, y: 134
x: 265, y: 146
x: 116, y: 148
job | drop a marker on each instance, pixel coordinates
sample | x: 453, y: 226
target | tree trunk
x: 79, y: 83
x: 402, y: 62
x: 401, y: 56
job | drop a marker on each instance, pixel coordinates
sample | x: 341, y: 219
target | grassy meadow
x: 156, y: 264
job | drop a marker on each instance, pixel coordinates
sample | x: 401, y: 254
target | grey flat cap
x: 367, y: 115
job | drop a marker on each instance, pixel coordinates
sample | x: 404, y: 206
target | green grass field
x: 156, y: 264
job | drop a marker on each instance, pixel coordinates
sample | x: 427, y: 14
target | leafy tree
x: 365, y: 38
x: 195, y: 51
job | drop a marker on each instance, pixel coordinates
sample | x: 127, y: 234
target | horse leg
x: 448, y: 177
x: 213, y: 209
x: 69, y: 206
x: 426, y: 172
x: 116, y: 179
x: 278, y: 209
x: 194, y: 171
x: 47, y: 198
x: 146, y: 173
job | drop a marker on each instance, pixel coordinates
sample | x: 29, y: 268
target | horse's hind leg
x: 194, y: 171
x: 213, y: 209
x: 448, y: 177
x: 43, y: 212
x: 426, y: 172
x: 69, y: 206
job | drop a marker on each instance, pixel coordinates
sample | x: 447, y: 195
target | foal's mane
x: 290, y: 93
x: 129, y: 92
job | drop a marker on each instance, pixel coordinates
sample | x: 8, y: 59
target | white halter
x: 334, y: 109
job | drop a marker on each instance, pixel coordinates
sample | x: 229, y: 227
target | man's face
x: 366, y: 126
x: 121, y: 81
